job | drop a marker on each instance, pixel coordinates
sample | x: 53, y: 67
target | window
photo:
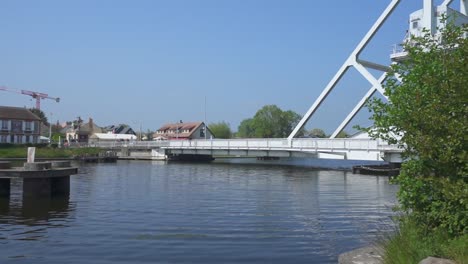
x: 17, y: 126
x: 28, y: 139
x: 3, y: 139
x: 27, y: 125
x: 4, y: 124
x: 202, y: 132
x: 415, y: 24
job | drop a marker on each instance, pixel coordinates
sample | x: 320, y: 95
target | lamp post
x: 50, y: 129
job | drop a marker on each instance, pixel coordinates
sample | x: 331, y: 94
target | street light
x: 50, y: 129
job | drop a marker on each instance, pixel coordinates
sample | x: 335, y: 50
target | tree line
x: 268, y: 122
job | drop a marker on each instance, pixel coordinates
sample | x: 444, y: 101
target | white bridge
x: 353, y: 149
x: 429, y: 18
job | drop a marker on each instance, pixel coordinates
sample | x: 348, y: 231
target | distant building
x: 81, y: 132
x: 19, y: 126
x: 183, y: 131
x: 120, y: 129
x: 109, y: 137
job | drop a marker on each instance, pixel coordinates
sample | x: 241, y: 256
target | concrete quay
x: 40, y: 179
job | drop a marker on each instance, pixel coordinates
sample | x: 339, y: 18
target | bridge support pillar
x: 36, y: 188
x: 4, y: 188
x: 60, y: 186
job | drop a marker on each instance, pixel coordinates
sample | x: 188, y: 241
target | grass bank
x: 46, y: 152
x: 411, y: 244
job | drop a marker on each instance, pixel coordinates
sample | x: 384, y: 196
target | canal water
x: 154, y: 212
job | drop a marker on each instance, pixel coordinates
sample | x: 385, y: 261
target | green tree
x: 221, y: 129
x: 269, y: 122
x: 289, y: 120
x: 317, y: 133
x: 428, y: 117
x: 39, y: 113
x: 246, y: 129
x: 342, y: 134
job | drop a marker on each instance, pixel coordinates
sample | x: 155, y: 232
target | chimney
x: 91, y: 125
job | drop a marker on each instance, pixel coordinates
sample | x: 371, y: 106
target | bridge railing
x: 257, y: 143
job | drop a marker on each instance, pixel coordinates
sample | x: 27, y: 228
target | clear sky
x: 151, y: 62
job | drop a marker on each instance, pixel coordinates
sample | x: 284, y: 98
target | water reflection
x: 38, y: 211
x: 134, y: 212
x: 4, y: 205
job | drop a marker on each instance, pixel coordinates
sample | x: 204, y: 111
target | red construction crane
x: 36, y: 95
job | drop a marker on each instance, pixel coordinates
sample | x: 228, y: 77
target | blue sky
x: 152, y: 62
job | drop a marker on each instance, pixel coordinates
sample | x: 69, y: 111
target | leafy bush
x: 428, y: 117
x: 411, y: 244
x: 435, y: 202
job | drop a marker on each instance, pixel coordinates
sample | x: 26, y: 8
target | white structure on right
x: 427, y: 18
x: 431, y: 18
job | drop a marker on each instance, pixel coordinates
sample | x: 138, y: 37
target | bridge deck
x: 360, y: 149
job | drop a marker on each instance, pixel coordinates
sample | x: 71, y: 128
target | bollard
x: 31, y: 154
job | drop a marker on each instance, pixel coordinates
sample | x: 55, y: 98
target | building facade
x: 80, y: 133
x: 19, y: 126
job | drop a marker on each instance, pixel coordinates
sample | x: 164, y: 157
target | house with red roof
x: 183, y: 131
x: 19, y: 126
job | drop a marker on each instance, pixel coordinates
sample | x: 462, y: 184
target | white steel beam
x: 358, y: 107
x: 369, y: 77
x: 447, y: 2
x: 350, y: 61
x: 464, y: 7
x: 320, y: 99
x: 428, y: 19
x: 373, y: 65
x: 373, y: 30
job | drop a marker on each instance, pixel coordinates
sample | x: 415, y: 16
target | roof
x: 21, y: 113
x: 181, y: 126
x: 190, y: 126
x: 119, y: 129
x: 109, y: 136
x: 85, y: 128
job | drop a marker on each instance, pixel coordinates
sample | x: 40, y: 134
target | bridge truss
x: 362, y: 66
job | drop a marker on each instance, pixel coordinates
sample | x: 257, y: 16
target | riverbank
x: 411, y: 243
x: 20, y: 152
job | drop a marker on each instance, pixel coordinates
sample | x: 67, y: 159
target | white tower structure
x: 429, y: 17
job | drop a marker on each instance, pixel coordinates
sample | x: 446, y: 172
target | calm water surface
x: 152, y: 212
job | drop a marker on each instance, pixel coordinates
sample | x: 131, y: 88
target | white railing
x: 316, y: 144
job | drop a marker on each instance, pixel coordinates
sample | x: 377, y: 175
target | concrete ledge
x: 367, y: 255
x: 61, y: 164
x: 37, y: 166
x: 59, y: 172
x: 5, y: 165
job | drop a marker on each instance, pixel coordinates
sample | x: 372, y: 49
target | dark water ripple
x: 143, y: 212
